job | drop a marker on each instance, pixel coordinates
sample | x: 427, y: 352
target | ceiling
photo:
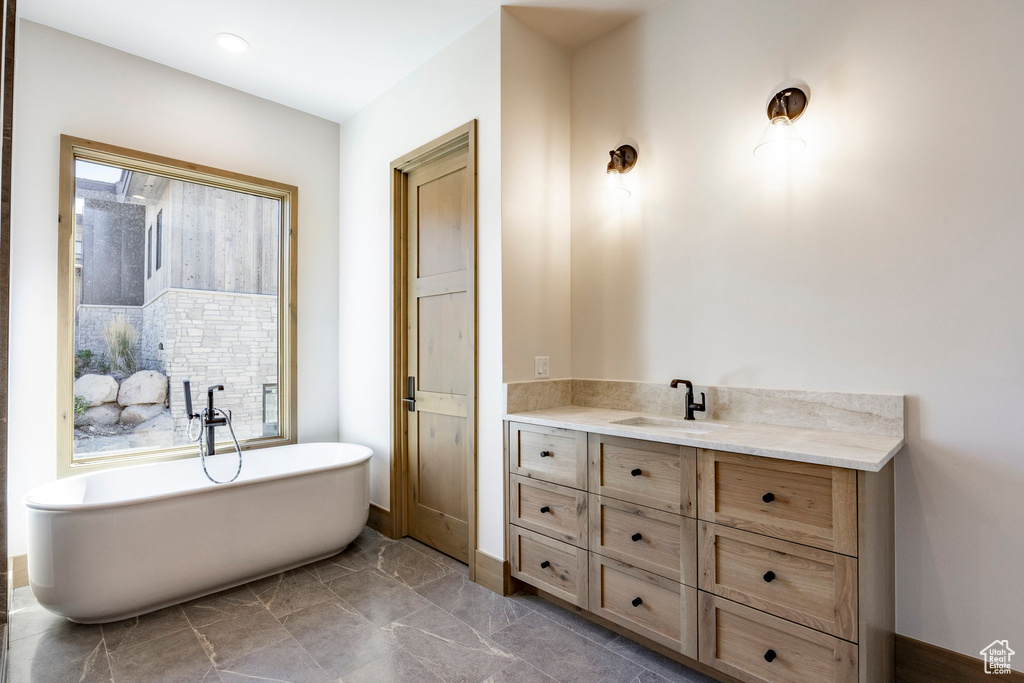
x: 326, y: 57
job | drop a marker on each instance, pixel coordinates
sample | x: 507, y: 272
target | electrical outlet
x: 541, y: 367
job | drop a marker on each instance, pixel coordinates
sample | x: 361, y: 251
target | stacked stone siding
x: 212, y: 338
x: 152, y: 334
x: 90, y: 320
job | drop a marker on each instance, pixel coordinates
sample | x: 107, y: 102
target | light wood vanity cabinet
x: 795, y: 501
x: 651, y: 605
x: 659, y: 542
x: 556, y: 511
x: 643, y: 538
x: 559, y: 568
x: 804, y: 585
x: 765, y: 570
x: 554, y: 455
x: 656, y: 475
x: 754, y: 646
x: 547, y: 493
x: 797, y: 576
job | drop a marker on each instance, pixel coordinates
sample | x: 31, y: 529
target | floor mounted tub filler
x: 118, y: 543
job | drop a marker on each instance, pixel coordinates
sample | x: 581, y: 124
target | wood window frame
x: 463, y: 136
x: 72, y: 149
x: 159, y: 238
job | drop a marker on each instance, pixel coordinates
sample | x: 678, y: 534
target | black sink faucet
x: 690, y: 405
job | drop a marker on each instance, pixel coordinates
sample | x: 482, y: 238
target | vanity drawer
x: 549, y: 509
x: 553, y: 566
x: 759, y: 648
x: 660, y: 542
x: 810, y: 504
x: 648, y: 604
x: 809, y: 586
x: 550, y: 454
x: 647, y: 473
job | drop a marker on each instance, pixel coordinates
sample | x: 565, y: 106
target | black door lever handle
x: 410, y: 395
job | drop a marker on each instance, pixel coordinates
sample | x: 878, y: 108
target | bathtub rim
x: 75, y: 507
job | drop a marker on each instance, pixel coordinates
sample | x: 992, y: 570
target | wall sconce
x: 780, y: 139
x: 622, y: 161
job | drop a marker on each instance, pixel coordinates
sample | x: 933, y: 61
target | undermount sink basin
x: 690, y: 426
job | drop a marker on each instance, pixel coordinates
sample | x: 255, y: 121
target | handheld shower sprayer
x: 188, y: 400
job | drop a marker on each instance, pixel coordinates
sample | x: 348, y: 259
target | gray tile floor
x: 382, y: 611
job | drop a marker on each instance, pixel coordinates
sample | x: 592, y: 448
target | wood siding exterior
x: 214, y: 239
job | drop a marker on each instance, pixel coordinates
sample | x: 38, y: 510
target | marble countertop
x: 852, y: 450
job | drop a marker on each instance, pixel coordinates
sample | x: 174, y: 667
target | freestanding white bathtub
x: 118, y: 543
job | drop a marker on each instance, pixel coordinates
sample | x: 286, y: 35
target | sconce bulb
x: 614, y: 191
x: 780, y: 140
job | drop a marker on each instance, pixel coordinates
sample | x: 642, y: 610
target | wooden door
x: 440, y: 351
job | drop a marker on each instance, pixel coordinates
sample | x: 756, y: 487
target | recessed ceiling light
x: 137, y: 196
x: 232, y: 43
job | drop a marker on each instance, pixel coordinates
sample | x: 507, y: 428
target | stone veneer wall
x: 214, y: 338
x: 207, y: 337
x: 154, y: 326
x: 89, y: 322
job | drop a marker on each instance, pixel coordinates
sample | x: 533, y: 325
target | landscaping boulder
x: 106, y: 414
x: 160, y: 423
x: 133, y: 415
x: 96, y: 389
x: 145, y: 386
x: 155, y: 432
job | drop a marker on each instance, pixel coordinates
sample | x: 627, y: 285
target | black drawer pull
x: 545, y: 454
x: 545, y: 509
x: 636, y: 537
x: 637, y: 472
x: 545, y: 564
x: 769, y: 576
x: 768, y: 497
x: 769, y: 656
x: 637, y: 602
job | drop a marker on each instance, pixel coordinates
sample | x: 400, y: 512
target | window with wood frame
x: 171, y: 272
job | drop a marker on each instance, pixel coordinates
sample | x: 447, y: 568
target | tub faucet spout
x: 212, y: 422
x: 208, y: 419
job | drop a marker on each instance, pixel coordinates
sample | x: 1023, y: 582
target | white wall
x: 535, y: 226
x: 72, y: 86
x: 460, y: 83
x: 888, y: 258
